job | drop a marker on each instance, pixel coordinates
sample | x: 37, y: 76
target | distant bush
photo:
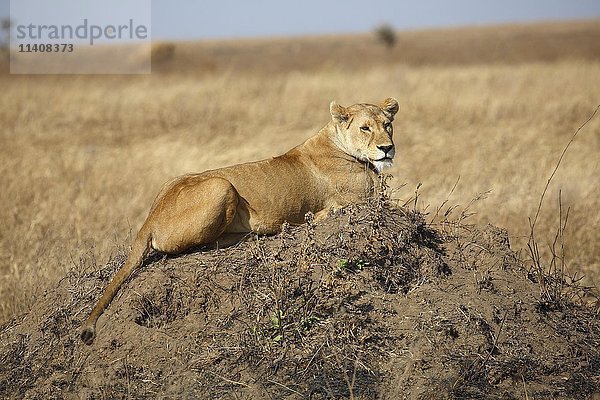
x: 386, y: 34
x: 162, y: 52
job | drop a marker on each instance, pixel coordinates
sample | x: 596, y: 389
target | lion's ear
x: 390, y: 107
x: 339, y: 114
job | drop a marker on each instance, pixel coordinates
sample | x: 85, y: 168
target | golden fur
x: 331, y: 169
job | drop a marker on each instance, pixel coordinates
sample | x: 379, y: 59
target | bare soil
x: 372, y: 303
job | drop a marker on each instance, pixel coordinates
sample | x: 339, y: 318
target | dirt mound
x: 373, y: 303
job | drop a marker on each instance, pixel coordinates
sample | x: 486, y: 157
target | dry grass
x: 83, y: 156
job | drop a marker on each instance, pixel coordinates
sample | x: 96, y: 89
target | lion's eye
x: 365, y: 128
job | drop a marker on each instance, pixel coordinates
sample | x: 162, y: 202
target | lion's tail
x: 140, y: 249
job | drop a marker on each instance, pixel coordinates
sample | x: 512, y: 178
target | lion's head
x: 365, y: 131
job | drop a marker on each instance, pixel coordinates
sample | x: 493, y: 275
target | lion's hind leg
x: 194, y: 214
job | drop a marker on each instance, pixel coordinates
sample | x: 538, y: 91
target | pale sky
x: 195, y: 19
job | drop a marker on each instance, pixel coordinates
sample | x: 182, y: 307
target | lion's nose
x: 386, y: 149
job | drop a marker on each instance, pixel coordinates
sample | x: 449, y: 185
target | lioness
x: 329, y: 170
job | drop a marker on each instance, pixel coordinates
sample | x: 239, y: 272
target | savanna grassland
x: 82, y: 157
